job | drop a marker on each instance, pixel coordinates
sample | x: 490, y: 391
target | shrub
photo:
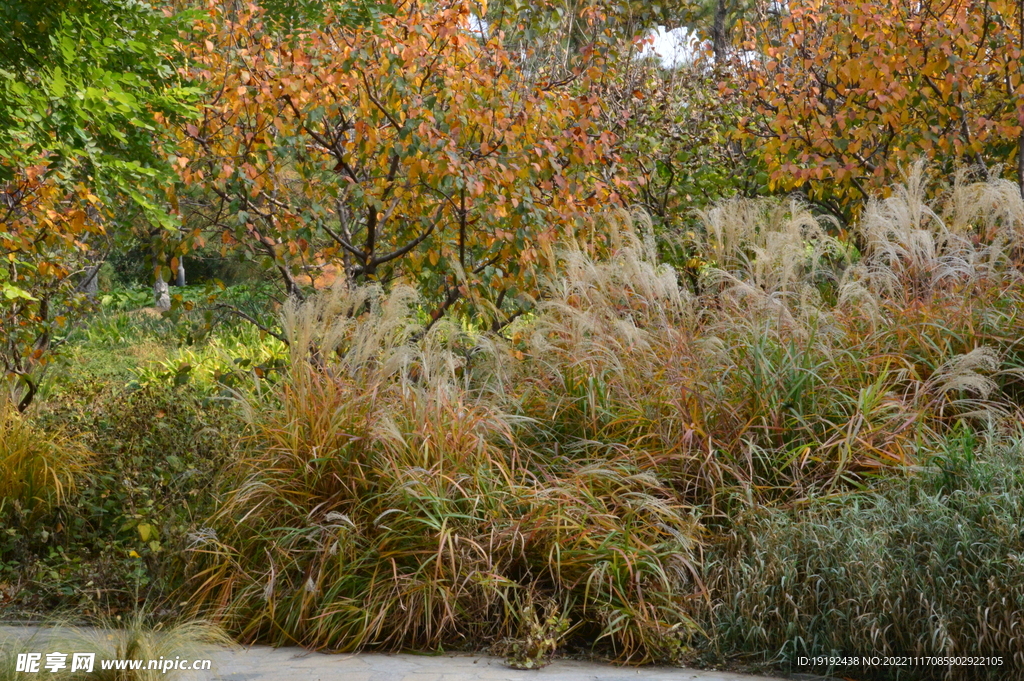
x: 931, y: 565
x: 156, y: 449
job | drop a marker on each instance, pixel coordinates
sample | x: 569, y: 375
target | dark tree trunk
x: 718, y: 40
x: 90, y: 284
x: 1020, y: 163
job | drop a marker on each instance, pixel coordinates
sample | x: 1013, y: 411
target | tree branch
x: 235, y: 311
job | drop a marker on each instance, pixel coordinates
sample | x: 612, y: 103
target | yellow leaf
x: 146, y: 531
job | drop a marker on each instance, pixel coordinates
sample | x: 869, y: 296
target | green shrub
x: 931, y: 565
x: 114, y: 540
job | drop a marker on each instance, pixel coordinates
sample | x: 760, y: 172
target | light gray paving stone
x: 262, y: 663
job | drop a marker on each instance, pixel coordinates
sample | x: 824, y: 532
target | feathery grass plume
x: 968, y: 373
x: 858, y: 294
x: 628, y: 292
x: 909, y: 250
x: 990, y: 210
x: 385, y: 500
x: 768, y: 259
x: 773, y: 246
x: 597, y: 341
x: 770, y: 406
x: 38, y: 470
x: 799, y: 373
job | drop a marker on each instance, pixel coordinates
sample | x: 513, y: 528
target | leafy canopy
x: 847, y: 91
x: 408, y: 148
x: 86, y: 89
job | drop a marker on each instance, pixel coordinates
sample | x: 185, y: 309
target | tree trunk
x: 1020, y: 163
x: 718, y: 41
x: 90, y: 283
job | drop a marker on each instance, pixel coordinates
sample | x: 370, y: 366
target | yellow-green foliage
x: 218, y: 361
x: 37, y: 469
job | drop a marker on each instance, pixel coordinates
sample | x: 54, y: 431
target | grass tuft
x: 384, y: 502
x: 38, y: 470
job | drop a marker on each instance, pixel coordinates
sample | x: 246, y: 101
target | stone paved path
x: 262, y: 663
x: 287, y: 664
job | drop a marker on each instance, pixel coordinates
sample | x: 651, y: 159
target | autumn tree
x: 85, y: 89
x: 845, y: 92
x: 399, y: 146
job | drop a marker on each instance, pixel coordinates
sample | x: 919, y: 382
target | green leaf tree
x: 87, y: 89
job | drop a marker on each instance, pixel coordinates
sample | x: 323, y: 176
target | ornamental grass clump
x: 800, y: 364
x: 746, y: 387
x: 38, y: 470
x: 134, y: 637
x: 385, y: 501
